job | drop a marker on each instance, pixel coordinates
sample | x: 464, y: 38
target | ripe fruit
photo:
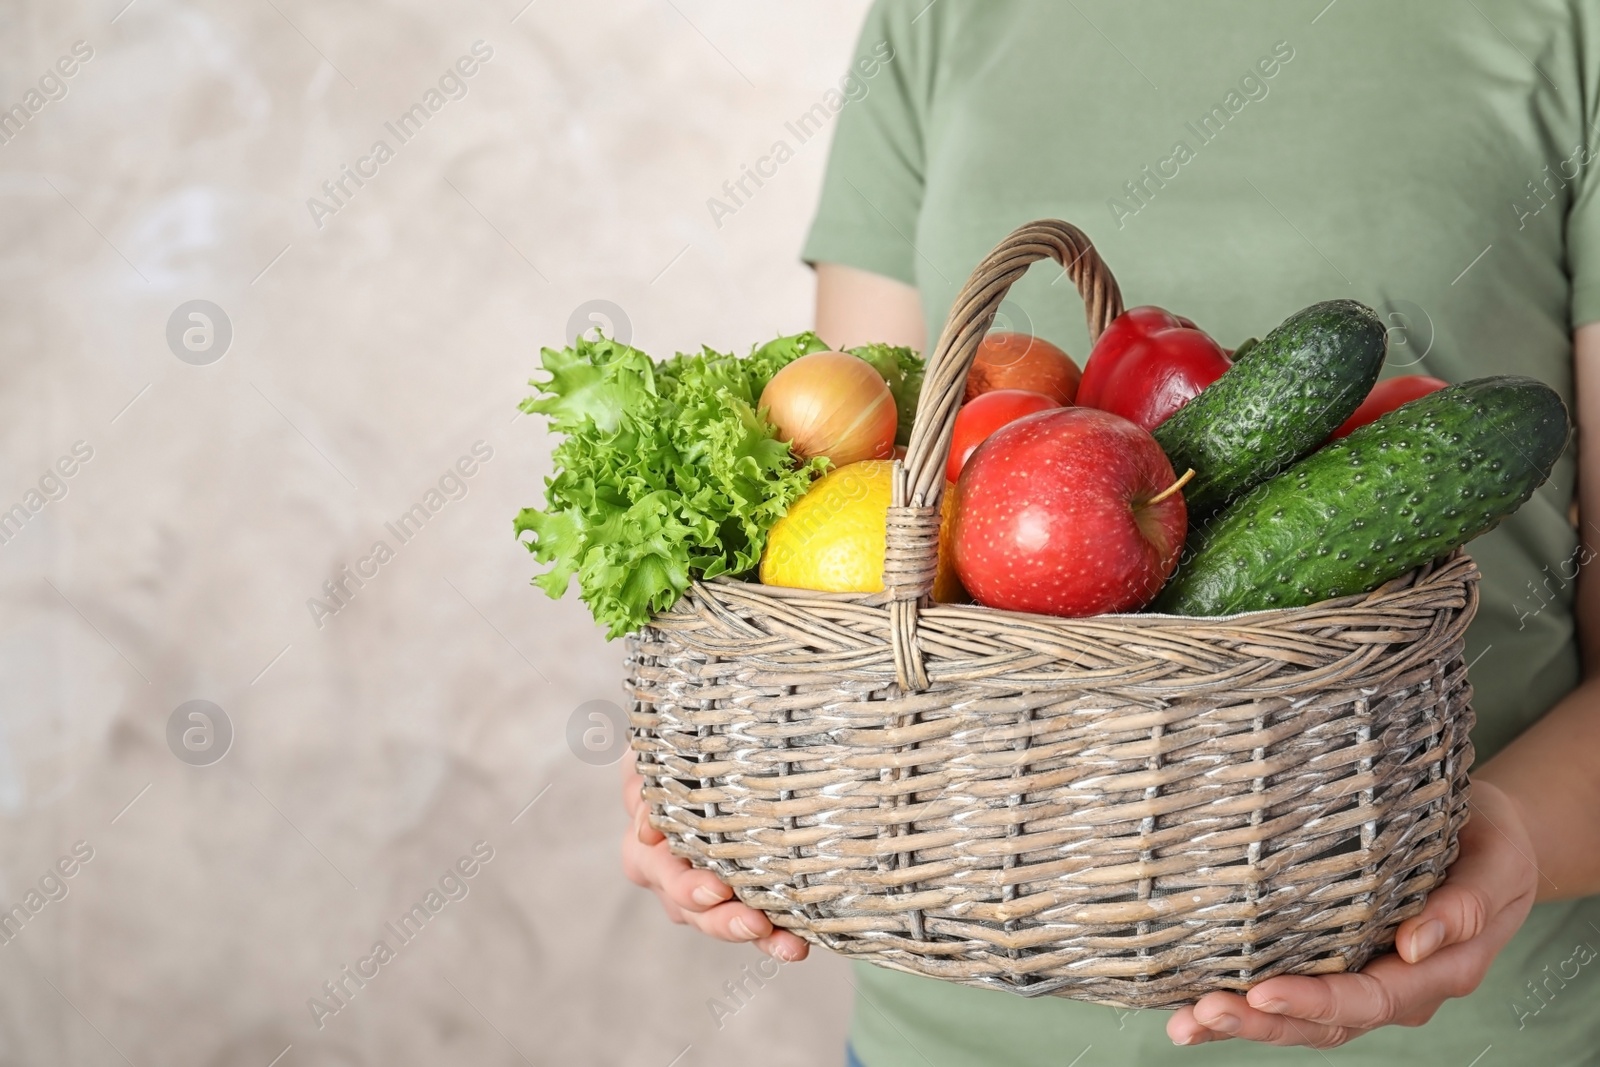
x: 1148, y: 364
x: 1385, y: 397
x: 946, y: 584
x: 1068, y: 512
x: 983, y: 415
x: 1160, y: 373
x: 832, y: 404
x: 1128, y: 327
x: 832, y: 539
x: 1020, y: 361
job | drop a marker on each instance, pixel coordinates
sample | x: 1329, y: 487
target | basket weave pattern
x: 1132, y: 809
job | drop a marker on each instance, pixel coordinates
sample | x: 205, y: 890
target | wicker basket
x: 1131, y: 810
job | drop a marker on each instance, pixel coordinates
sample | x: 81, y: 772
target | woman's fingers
x: 1443, y: 952
x: 643, y: 831
x: 658, y: 869
x: 1455, y: 912
x: 632, y: 786
x: 1231, y: 1015
x: 1184, y: 1029
x: 1388, y: 990
x: 684, y: 891
x: 633, y: 802
x: 1363, y: 1000
x: 731, y: 921
x: 1493, y: 872
x: 783, y: 945
x: 698, y: 898
x: 691, y: 889
x: 688, y: 894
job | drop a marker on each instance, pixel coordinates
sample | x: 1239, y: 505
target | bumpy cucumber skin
x: 1300, y: 382
x: 1411, y: 486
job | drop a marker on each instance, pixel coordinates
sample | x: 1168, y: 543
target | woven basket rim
x: 850, y: 638
x: 1416, y: 578
x: 1436, y: 571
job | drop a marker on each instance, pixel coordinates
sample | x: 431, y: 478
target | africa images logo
x: 1253, y: 85
x: 452, y: 485
x: 810, y: 122
x: 338, y: 190
x: 452, y: 886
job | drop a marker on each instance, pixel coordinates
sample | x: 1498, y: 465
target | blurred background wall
x: 180, y: 480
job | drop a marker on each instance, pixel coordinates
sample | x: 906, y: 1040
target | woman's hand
x: 1444, y: 952
x: 688, y: 895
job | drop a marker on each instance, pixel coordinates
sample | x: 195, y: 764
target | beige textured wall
x: 368, y: 355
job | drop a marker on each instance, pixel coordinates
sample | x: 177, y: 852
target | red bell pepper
x: 1148, y: 364
x: 1386, y: 396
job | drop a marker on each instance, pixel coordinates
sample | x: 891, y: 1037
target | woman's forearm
x: 857, y: 307
x: 1552, y: 772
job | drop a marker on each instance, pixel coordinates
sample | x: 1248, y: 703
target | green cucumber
x: 1299, y: 383
x: 1406, y: 488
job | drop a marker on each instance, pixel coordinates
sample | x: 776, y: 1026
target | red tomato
x: 1160, y: 373
x: 983, y: 415
x: 1022, y: 361
x: 1386, y: 396
x: 1127, y: 328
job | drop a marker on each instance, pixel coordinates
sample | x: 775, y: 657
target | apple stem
x: 1173, y: 488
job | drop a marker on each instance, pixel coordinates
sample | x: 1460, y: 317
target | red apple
x: 1071, y: 512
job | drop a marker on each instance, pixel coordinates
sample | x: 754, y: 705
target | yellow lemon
x: 832, y: 537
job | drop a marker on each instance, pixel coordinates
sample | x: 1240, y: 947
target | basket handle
x: 911, y: 555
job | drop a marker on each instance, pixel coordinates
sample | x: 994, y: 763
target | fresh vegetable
x: 1388, y: 395
x: 1072, y: 511
x: 833, y: 405
x: 983, y: 415
x: 902, y: 369
x: 666, y: 473
x: 1126, y: 330
x: 832, y: 538
x: 1019, y: 361
x: 1299, y: 383
x: 1160, y: 373
x: 1412, y: 485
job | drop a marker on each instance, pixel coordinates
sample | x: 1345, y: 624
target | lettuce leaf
x: 666, y: 472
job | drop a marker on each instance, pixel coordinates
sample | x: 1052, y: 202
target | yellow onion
x: 832, y: 404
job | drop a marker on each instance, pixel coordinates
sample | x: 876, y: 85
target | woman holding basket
x: 1237, y: 160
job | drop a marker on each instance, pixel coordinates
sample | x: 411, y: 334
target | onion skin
x: 832, y: 404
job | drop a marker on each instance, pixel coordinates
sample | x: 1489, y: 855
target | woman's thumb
x: 1457, y: 911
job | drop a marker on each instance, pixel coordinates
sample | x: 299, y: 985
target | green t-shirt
x: 1234, y: 161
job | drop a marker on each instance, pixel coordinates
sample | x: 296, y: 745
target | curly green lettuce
x: 666, y: 472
